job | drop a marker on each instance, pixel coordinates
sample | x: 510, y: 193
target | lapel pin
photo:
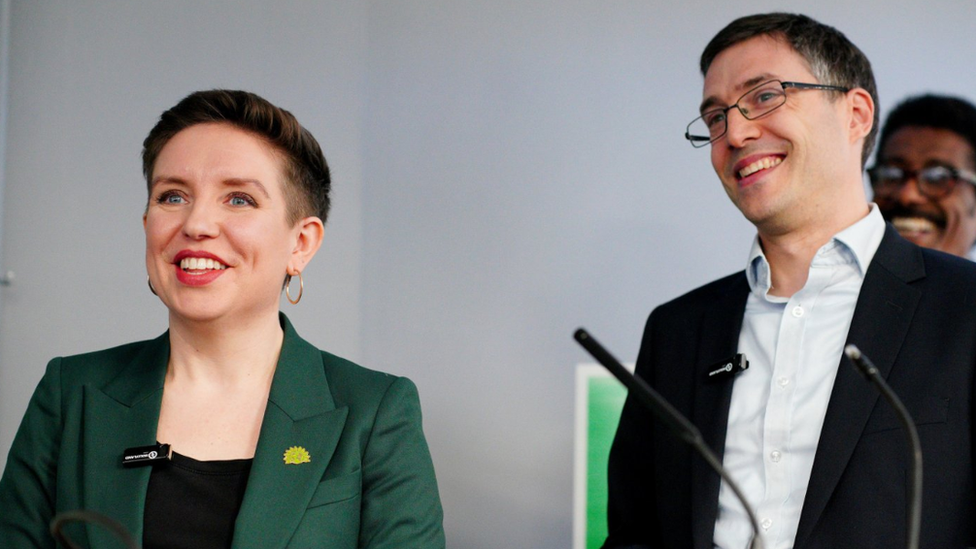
x: 296, y: 455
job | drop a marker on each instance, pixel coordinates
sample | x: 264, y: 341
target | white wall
x: 504, y: 172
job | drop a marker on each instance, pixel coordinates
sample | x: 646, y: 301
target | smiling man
x: 925, y: 179
x: 788, y: 111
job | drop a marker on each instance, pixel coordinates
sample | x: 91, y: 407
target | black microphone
x: 61, y: 519
x: 870, y: 373
x: 667, y: 414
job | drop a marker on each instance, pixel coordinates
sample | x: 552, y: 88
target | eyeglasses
x: 933, y: 182
x: 757, y: 102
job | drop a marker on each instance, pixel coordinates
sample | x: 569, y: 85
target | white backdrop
x: 504, y: 172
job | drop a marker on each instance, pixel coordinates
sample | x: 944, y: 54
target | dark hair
x: 832, y: 58
x: 306, y: 172
x: 941, y: 112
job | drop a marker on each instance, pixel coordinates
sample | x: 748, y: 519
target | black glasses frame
x: 699, y: 141
x: 926, y: 187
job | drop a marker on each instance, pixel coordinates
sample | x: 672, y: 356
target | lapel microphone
x: 728, y: 368
x: 141, y: 456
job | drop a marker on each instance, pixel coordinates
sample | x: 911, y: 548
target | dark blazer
x: 915, y: 317
x: 369, y: 483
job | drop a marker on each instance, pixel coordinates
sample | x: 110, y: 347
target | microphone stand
x: 672, y: 418
x: 870, y: 373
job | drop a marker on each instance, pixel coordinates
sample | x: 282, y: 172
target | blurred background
x: 503, y: 173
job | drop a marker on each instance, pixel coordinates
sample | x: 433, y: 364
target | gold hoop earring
x: 301, y: 289
x: 151, y: 289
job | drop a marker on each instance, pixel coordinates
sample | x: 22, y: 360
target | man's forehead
x: 748, y: 63
x: 916, y: 144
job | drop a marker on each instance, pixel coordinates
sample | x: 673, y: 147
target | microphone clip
x: 728, y: 368
x: 140, y: 456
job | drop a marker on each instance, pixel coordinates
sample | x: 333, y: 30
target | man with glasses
x: 788, y: 116
x: 924, y: 181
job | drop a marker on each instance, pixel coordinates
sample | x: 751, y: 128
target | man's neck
x: 790, y: 253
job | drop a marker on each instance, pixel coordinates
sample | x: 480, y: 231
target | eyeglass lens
x: 753, y: 104
x: 934, y: 181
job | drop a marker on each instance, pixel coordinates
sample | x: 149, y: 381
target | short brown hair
x: 833, y: 59
x: 306, y: 171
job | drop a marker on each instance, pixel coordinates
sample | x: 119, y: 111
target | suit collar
x: 300, y: 388
x: 718, y: 340
x: 883, y: 314
x: 301, y: 413
x: 122, y: 414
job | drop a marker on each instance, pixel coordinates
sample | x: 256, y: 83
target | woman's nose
x: 202, y: 221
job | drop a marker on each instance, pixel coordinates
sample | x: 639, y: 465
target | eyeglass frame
x: 699, y: 141
x: 956, y: 175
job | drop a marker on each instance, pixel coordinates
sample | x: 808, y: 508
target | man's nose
x: 909, y: 192
x: 739, y: 129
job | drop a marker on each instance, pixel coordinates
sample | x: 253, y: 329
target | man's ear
x: 862, y: 113
x: 308, y: 240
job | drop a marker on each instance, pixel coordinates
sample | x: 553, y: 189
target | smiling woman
x: 261, y: 440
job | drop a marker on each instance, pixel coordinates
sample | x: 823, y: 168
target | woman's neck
x: 219, y: 352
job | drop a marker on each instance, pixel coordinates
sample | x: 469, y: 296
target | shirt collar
x: 856, y: 245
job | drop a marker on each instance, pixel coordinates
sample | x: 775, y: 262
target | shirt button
x: 766, y: 523
x: 797, y: 311
x: 783, y: 381
x: 775, y: 456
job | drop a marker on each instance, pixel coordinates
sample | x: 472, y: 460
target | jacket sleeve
x: 29, y: 483
x: 401, y: 506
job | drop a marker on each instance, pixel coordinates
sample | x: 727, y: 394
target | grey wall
x: 504, y: 172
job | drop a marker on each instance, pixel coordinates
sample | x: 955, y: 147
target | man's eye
x: 936, y: 174
x: 765, y: 96
x: 713, y: 118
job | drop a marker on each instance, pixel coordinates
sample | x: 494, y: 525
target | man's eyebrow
x: 712, y: 100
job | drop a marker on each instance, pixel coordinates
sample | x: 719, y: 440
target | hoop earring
x: 151, y: 289
x: 301, y: 289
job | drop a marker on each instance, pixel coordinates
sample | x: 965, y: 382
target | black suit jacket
x: 915, y: 317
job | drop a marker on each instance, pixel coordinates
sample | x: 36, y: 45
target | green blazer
x: 369, y: 482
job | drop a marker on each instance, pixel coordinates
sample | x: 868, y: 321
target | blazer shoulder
x: 104, y: 365
x: 355, y: 385
x: 691, y: 303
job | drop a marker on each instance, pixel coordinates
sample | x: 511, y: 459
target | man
x: 925, y: 178
x: 789, y: 114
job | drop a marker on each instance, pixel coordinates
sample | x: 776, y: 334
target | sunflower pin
x: 296, y: 455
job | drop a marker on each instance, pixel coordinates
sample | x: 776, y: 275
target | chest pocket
x: 337, y: 489
x: 928, y: 410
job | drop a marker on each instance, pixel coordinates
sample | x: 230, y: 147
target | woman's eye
x: 241, y: 200
x: 170, y: 197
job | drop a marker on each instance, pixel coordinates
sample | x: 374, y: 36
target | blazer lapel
x: 121, y: 415
x: 719, y: 341
x: 301, y: 414
x: 881, y: 320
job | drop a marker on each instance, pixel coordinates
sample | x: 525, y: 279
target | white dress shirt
x: 794, y: 347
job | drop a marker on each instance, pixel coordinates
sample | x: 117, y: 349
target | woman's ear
x: 308, y: 239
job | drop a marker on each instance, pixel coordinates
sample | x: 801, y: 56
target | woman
x: 271, y: 442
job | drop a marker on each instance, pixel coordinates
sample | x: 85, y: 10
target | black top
x: 193, y: 504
